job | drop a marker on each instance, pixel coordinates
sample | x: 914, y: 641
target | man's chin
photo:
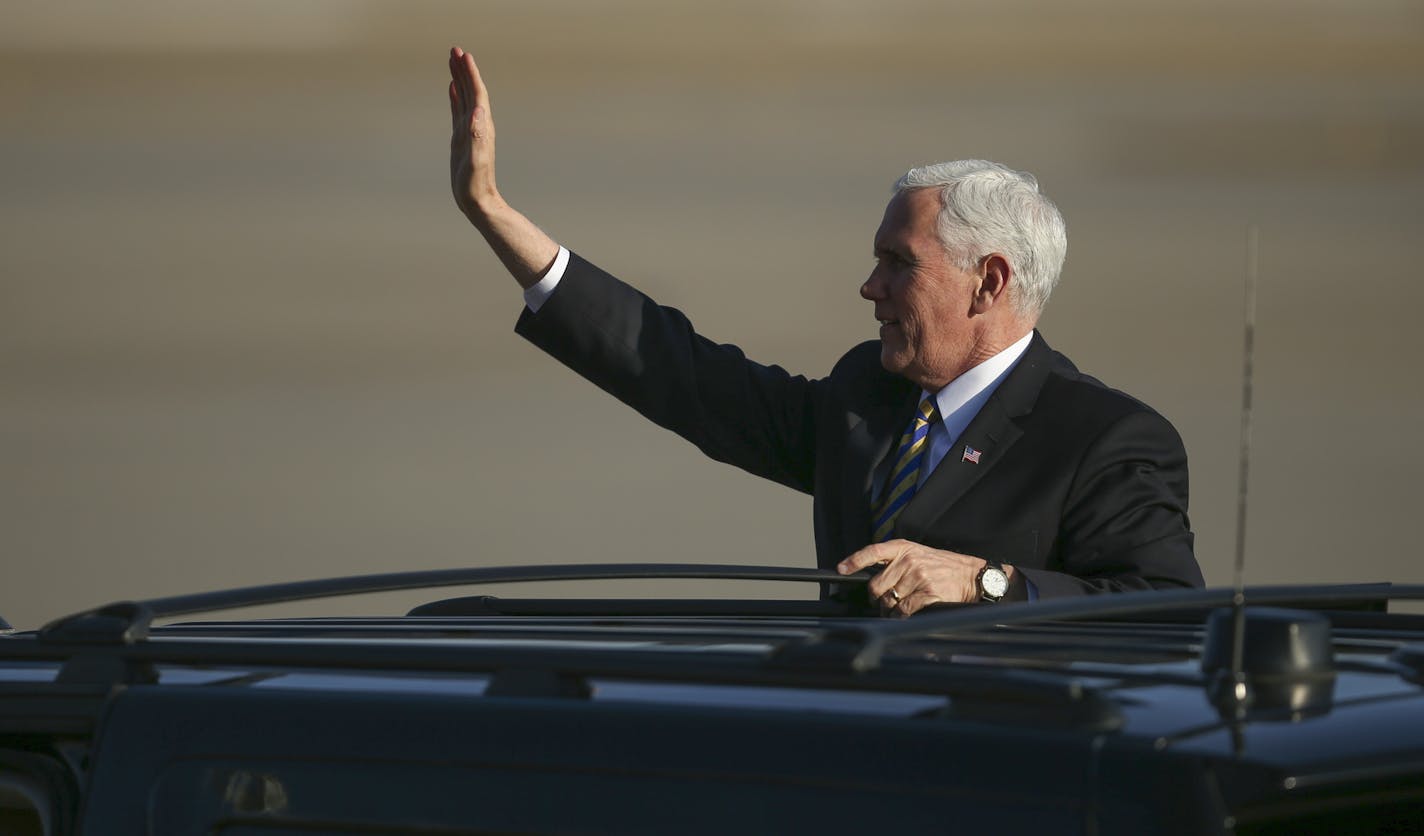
x: 892, y: 360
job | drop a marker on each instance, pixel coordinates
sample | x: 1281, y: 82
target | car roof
x: 1311, y: 686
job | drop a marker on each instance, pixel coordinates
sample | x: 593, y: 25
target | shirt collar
x: 960, y: 400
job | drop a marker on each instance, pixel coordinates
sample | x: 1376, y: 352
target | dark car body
x: 1119, y: 714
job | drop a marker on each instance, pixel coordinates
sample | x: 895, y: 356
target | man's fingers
x: 459, y: 118
x: 886, y: 552
x: 481, y: 93
x: 460, y: 72
x: 455, y: 77
x: 892, y: 577
x: 469, y: 76
x: 470, y: 99
x: 912, y: 604
x: 868, y: 556
x: 892, y: 607
x: 914, y: 576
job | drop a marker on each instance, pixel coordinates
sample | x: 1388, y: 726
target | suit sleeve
x: 1124, y: 525
x: 758, y: 418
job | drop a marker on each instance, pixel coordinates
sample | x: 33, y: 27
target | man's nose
x: 871, y: 289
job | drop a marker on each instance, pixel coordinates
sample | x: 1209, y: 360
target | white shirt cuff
x: 539, y: 293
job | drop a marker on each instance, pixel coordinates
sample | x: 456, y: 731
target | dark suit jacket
x: 1081, y: 487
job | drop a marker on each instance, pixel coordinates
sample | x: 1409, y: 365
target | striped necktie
x: 905, y: 476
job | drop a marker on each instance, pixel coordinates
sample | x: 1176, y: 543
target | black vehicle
x: 1154, y: 712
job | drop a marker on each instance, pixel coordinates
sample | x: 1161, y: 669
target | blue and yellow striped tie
x: 905, y: 476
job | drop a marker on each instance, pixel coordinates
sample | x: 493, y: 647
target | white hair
x: 986, y: 207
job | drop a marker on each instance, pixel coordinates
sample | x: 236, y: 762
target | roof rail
x: 121, y: 619
x: 1144, y: 602
x: 860, y: 648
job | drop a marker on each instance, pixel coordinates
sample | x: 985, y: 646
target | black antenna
x: 1238, y: 695
x: 1248, y: 352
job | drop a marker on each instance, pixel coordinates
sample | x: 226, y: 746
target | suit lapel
x: 992, y: 432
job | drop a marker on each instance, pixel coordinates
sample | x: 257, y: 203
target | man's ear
x: 995, y: 274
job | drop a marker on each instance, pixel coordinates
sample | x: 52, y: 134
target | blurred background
x: 245, y: 336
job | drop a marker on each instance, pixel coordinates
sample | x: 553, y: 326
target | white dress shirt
x: 962, y: 398
x: 536, y: 296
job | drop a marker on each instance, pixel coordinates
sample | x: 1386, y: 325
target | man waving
x: 957, y: 451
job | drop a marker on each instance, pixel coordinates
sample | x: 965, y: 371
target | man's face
x: 922, y: 299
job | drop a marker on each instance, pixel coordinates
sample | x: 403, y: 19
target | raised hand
x: 471, y: 138
x: 524, y: 249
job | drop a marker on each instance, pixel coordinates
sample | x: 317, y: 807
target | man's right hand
x: 471, y: 139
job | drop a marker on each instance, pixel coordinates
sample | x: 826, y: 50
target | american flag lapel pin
x: 971, y: 455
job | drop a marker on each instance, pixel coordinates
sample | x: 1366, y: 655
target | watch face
x: 995, y: 582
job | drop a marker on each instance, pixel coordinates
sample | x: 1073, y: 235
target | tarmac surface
x: 245, y: 336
